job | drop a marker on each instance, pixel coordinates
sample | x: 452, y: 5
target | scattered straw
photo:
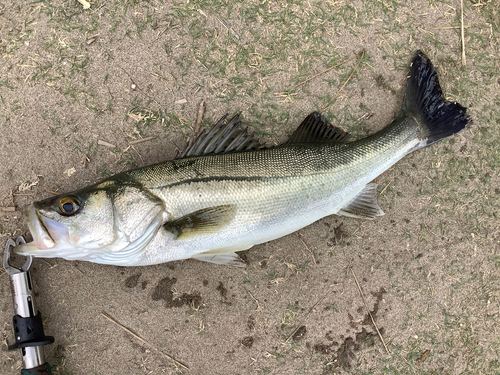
x: 142, y: 340
x: 196, y: 126
x: 131, y: 143
x: 25, y: 186
x: 199, y: 116
x: 197, y: 123
x: 345, y: 83
x: 464, y: 62
x: 223, y: 23
x: 318, y: 74
x: 369, y: 313
x: 291, y: 335
x: 137, y: 152
x: 84, y: 3
x: 309, y: 313
x: 450, y: 27
x: 79, y: 270
x: 7, y: 209
x: 423, y: 358
x: 92, y: 39
x: 384, y: 189
x: 305, y: 245
x: 259, y: 307
x: 104, y: 143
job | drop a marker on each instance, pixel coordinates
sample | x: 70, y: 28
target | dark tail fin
x: 424, y: 101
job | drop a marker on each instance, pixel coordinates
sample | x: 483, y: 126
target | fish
x: 228, y: 192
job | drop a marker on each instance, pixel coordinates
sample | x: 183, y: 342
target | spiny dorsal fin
x: 365, y: 205
x: 205, y: 221
x: 221, y: 139
x: 316, y: 129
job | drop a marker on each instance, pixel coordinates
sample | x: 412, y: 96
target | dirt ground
x: 79, y: 86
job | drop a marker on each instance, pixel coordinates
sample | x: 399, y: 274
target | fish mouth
x: 46, y: 233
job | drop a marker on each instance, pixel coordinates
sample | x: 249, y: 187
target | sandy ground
x: 71, y: 78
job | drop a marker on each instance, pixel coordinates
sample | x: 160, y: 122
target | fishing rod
x: 27, y: 321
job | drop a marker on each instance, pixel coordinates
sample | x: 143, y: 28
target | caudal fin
x: 437, y: 117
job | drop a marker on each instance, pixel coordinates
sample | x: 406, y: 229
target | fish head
x: 105, y: 223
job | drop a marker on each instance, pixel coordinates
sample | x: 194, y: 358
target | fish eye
x: 69, y: 205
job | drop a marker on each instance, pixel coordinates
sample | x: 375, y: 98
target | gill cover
x: 105, y: 223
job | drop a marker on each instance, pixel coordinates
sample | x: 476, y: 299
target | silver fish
x: 227, y: 192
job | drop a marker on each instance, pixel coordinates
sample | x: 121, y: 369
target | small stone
x: 247, y: 341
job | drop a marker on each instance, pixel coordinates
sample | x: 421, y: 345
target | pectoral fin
x: 205, y: 221
x: 364, y: 206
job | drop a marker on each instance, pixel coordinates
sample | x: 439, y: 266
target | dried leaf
x: 104, y: 143
x: 85, y: 4
x: 70, y: 171
x: 28, y: 185
x: 92, y: 39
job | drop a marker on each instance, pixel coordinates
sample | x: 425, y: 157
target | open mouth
x: 46, y: 232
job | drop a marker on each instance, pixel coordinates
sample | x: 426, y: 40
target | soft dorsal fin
x: 316, y: 129
x: 221, y: 139
x: 365, y: 205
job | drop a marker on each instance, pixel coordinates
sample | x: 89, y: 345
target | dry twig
x: 305, y: 245
x: 134, y: 142
x: 384, y: 189
x: 369, y: 313
x: 464, y: 62
x: 307, y: 316
x: 318, y: 74
x: 345, y: 83
x: 223, y: 23
x: 450, y: 27
x: 142, y: 340
x: 259, y: 307
x: 196, y: 126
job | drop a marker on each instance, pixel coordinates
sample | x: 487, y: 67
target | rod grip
x: 29, y: 332
x: 39, y: 370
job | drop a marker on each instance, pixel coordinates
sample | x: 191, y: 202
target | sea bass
x: 227, y: 192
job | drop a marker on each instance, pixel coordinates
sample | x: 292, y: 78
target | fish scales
x: 273, y: 187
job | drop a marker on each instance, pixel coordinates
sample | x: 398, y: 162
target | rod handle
x: 39, y: 370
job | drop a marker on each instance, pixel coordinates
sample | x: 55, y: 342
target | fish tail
x: 424, y: 101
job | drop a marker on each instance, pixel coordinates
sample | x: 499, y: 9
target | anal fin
x: 226, y: 255
x: 365, y: 205
x: 230, y: 259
